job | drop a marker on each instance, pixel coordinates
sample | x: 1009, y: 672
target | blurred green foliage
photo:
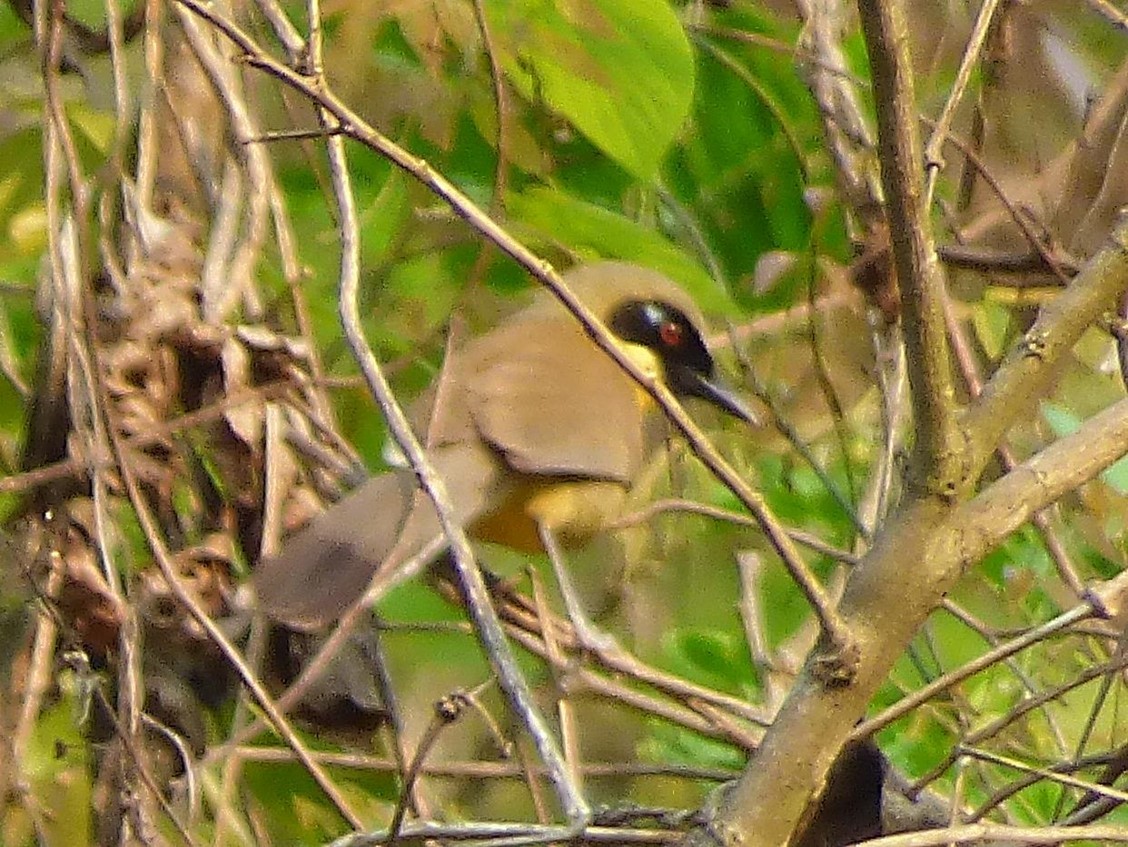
x: 632, y: 131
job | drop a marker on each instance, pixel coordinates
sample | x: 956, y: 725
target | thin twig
x: 1043, y: 773
x: 975, y: 42
x: 1020, y: 710
x: 501, y: 104
x: 1021, y: 219
x: 461, y: 769
x: 868, y: 727
x: 510, y: 679
x: 969, y: 369
x: 801, y: 537
x: 447, y: 711
x: 847, y: 135
x: 285, y: 31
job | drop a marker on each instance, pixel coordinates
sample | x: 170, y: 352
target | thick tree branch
x: 927, y: 544
x: 979, y: 525
x: 1032, y: 365
x: 919, y: 273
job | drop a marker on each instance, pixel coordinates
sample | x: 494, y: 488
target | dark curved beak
x: 692, y: 383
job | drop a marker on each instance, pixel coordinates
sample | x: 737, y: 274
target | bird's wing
x: 560, y: 406
x: 474, y: 483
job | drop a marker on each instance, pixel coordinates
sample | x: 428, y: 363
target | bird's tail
x: 330, y: 563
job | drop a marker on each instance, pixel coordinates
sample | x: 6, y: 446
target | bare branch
x: 935, y: 469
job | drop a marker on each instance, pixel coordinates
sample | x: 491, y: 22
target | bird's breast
x: 574, y: 510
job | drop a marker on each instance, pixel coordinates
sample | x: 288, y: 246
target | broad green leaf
x: 557, y: 217
x: 710, y: 653
x: 739, y: 168
x: 55, y: 768
x: 1116, y: 476
x: 95, y: 126
x: 620, y: 70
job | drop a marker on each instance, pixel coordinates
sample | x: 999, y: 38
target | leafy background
x: 680, y: 136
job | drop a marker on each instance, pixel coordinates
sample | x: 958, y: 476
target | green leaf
x: 743, y: 180
x: 1116, y: 476
x: 559, y: 218
x: 55, y: 769
x: 992, y: 325
x: 1061, y: 420
x: 716, y: 658
x: 665, y: 743
x: 620, y: 70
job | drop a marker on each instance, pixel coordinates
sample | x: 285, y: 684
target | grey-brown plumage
x: 534, y: 425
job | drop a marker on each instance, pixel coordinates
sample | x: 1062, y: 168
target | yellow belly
x: 574, y: 510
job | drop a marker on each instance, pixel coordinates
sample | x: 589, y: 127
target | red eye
x: 671, y: 334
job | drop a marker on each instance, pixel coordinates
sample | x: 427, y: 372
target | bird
x: 537, y: 434
x: 850, y: 807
